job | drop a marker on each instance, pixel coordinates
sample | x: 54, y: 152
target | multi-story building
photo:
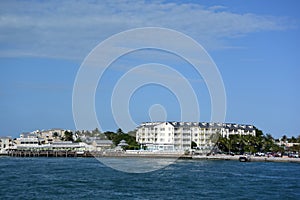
x: 29, y: 139
x: 42, y: 137
x: 51, y: 135
x: 180, y: 135
x: 52, y: 140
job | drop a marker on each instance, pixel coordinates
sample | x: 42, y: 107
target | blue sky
x: 254, y: 44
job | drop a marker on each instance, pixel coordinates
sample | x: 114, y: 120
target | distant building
x: 68, y: 146
x: 101, y: 145
x: 169, y: 136
x: 5, y: 144
x: 29, y: 139
x: 52, y: 135
x: 287, y: 144
x: 46, y: 140
x: 41, y: 137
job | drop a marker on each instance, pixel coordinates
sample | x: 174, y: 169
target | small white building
x: 29, y: 140
x: 100, y: 145
x: 5, y: 144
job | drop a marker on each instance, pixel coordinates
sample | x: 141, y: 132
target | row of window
x: 29, y: 142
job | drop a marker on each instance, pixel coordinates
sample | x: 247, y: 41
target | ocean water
x: 87, y: 178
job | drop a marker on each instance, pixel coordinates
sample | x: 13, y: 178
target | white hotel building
x: 178, y: 136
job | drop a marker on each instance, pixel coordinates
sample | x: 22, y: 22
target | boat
x: 244, y: 159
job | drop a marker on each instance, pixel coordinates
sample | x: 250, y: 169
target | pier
x: 118, y: 154
x: 50, y: 153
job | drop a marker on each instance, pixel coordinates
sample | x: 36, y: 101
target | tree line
x: 115, y: 137
x: 240, y: 144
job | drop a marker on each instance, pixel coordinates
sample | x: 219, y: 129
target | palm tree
x: 120, y: 131
x: 284, y: 138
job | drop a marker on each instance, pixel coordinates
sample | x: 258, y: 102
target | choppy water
x: 86, y: 178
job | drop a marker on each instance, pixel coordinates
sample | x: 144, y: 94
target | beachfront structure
x: 55, y: 146
x: 41, y: 137
x: 101, y: 145
x: 178, y: 136
x: 45, y: 140
x: 52, y: 135
x: 51, y: 140
x: 29, y: 139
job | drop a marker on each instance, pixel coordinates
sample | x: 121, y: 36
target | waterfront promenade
x: 147, y: 154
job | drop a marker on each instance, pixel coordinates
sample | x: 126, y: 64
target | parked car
x: 260, y: 154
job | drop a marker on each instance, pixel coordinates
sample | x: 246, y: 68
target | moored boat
x: 244, y: 159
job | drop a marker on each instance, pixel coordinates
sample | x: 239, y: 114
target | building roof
x: 5, y: 137
x: 122, y: 143
x: 103, y: 142
x: 230, y: 126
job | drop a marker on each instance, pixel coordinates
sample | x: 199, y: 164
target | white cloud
x: 70, y: 29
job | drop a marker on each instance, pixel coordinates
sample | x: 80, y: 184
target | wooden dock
x: 24, y: 153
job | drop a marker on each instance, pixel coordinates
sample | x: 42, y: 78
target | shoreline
x: 153, y: 155
x: 251, y: 158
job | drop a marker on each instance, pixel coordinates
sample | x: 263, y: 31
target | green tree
x: 298, y: 139
x: 68, y: 136
x: 284, y: 138
x: 224, y: 144
x: 109, y: 135
x: 55, y: 134
x: 96, y: 132
x: 193, y: 144
x: 132, y: 133
x: 295, y: 148
x: 239, y: 144
x: 292, y: 140
x: 78, y: 133
x: 120, y: 135
x: 120, y: 131
x: 78, y: 140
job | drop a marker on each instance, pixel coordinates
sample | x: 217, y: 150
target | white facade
x: 156, y: 136
x: 180, y: 135
x: 52, y: 135
x: 29, y: 140
x: 5, y: 144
